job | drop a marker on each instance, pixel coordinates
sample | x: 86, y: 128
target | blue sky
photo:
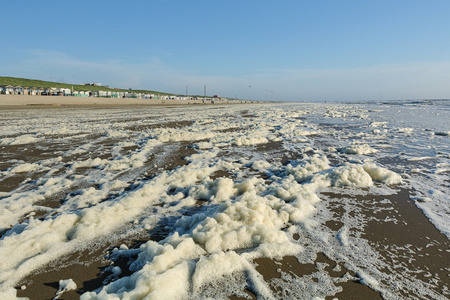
x: 263, y: 50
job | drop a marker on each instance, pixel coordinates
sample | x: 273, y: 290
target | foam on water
x: 216, y: 226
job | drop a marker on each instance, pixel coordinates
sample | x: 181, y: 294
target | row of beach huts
x: 38, y: 91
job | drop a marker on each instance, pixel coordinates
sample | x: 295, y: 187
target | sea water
x: 214, y: 188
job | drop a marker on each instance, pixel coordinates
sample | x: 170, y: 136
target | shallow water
x: 187, y: 202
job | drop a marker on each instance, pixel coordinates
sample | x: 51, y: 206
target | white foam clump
x: 242, y: 224
x: 318, y: 170
x: 24, y: 168
x: 247, y: 141
x: 343, y: 237
x: 20, y: 140
x: 64, y: 286
x: 442, y: 170
x: 357, y: 175
x: 382, y: 175
x: 405, y: 130
x: 204, y: 145
x: 348, y: 175
x: 181, y: 134
x: 261, y: 165
x: 378, y: 124
x: 420, y: 198
x: 361, y: 149
x: 304, y: 169
x: 218, y: 265
x: 367, y: 279
x: 303, y: 132
x: 216, y: 191
x: 421, y: 158
x: 162, y: 272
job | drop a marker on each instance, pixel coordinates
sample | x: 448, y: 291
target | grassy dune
x: 76, y: 87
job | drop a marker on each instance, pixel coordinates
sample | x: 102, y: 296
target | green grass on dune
x: 76, y: 87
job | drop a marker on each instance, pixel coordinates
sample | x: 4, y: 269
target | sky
x: 321, y: 50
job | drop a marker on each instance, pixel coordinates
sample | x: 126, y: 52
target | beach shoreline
x: 15, y: 101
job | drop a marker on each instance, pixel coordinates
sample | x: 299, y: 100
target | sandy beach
x: 22, y: 100
x: 225, y: 150
x: 265, y: 201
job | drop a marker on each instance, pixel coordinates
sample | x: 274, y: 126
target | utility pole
x: 205, y: 90
x: 186, y: 90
